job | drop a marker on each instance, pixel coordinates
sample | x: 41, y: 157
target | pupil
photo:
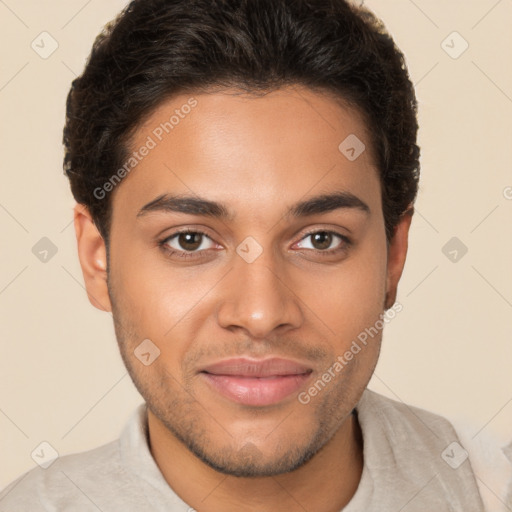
x: 322, y: 240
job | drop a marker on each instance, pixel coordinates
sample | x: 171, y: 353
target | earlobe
x: 93, y: 258
x: 397, y: 252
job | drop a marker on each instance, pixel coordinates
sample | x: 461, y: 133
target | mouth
x: 256, y: 382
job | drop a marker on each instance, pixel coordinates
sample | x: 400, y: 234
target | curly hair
x: 156, y: 49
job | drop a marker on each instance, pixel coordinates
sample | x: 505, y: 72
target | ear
x: 92, y: 254
x: 397, y: 251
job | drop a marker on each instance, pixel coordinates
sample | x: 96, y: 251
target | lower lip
x: 256, y: 391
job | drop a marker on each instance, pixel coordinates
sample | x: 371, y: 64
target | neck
x: 326, y: 483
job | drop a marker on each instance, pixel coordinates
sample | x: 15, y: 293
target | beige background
x: 449, y: 350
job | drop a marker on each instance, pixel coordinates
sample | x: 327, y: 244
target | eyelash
x: 346, y: 243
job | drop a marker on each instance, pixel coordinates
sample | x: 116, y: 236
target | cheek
x: 149, y: 290
x: 350, y: 298
x: 160, y: 303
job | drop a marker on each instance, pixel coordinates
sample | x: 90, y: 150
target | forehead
x: 249, y: 151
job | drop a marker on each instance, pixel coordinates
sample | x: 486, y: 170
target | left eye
x: 322, y: 240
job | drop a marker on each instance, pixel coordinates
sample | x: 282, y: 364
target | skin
x: 258, y: 156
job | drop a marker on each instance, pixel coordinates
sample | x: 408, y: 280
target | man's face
x: 262, y: 282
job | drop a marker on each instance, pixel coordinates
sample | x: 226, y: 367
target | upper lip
x: 245, y: 367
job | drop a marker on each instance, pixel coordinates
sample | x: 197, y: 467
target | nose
x: 258, y: 298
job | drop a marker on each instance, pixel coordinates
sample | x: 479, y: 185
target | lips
x: 256, y: 382
x: 243, y: 367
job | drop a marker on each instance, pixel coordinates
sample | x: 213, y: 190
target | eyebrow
x: 203, y: 207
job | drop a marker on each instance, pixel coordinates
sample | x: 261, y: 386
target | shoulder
x: 104, y: 478
x: 416, y: 453
x: 491, y: 461
x: 412, y: 440
x: 402, y: 421
x: 67, y: 480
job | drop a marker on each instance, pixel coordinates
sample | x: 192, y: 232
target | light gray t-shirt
x: 508, y: 452
x: 413, y: 462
